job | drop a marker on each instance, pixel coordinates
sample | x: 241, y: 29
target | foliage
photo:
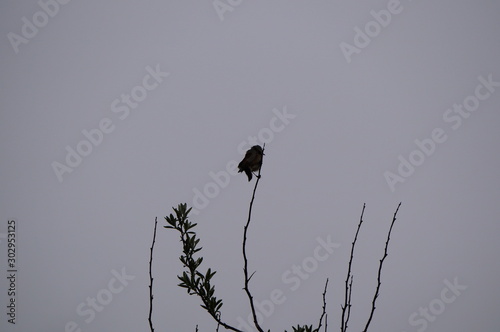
x: 195, y: 282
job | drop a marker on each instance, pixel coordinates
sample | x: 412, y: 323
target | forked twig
x: 346, y: 308
x: 324, y: 307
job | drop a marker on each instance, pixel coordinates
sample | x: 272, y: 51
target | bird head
x: 258, y: 149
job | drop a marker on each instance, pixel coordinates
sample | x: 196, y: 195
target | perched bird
x: 252, y: 161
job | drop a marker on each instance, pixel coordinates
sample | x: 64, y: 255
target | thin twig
x: 219, y: 321
x: 226, y: 326
x: 348, y: 281
x: 245, y: 267
x: 380, y: 270
x: 349, y: 301
x: 151, y: 279
x: 326, y: 322
x: 324, y: 305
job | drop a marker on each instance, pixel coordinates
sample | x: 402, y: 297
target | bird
x: 252, y: 161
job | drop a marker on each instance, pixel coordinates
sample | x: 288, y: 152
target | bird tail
x: 249, y: 174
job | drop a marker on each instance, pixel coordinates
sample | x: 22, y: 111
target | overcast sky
x: 113, y: 112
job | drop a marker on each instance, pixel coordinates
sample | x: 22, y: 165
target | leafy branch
x: 195, y: 282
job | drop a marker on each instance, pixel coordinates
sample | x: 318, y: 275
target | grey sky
x: 155, y: 101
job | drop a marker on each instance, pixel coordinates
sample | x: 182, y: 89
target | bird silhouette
x: 252, y: 161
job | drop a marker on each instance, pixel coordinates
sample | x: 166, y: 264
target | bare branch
x: 380, y: 270
x: 226, y: 326
x: 324, y: 306
x: 245, y: 260
x: 349, y: 302
x: 151, y: 278
x: 346, y: 308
